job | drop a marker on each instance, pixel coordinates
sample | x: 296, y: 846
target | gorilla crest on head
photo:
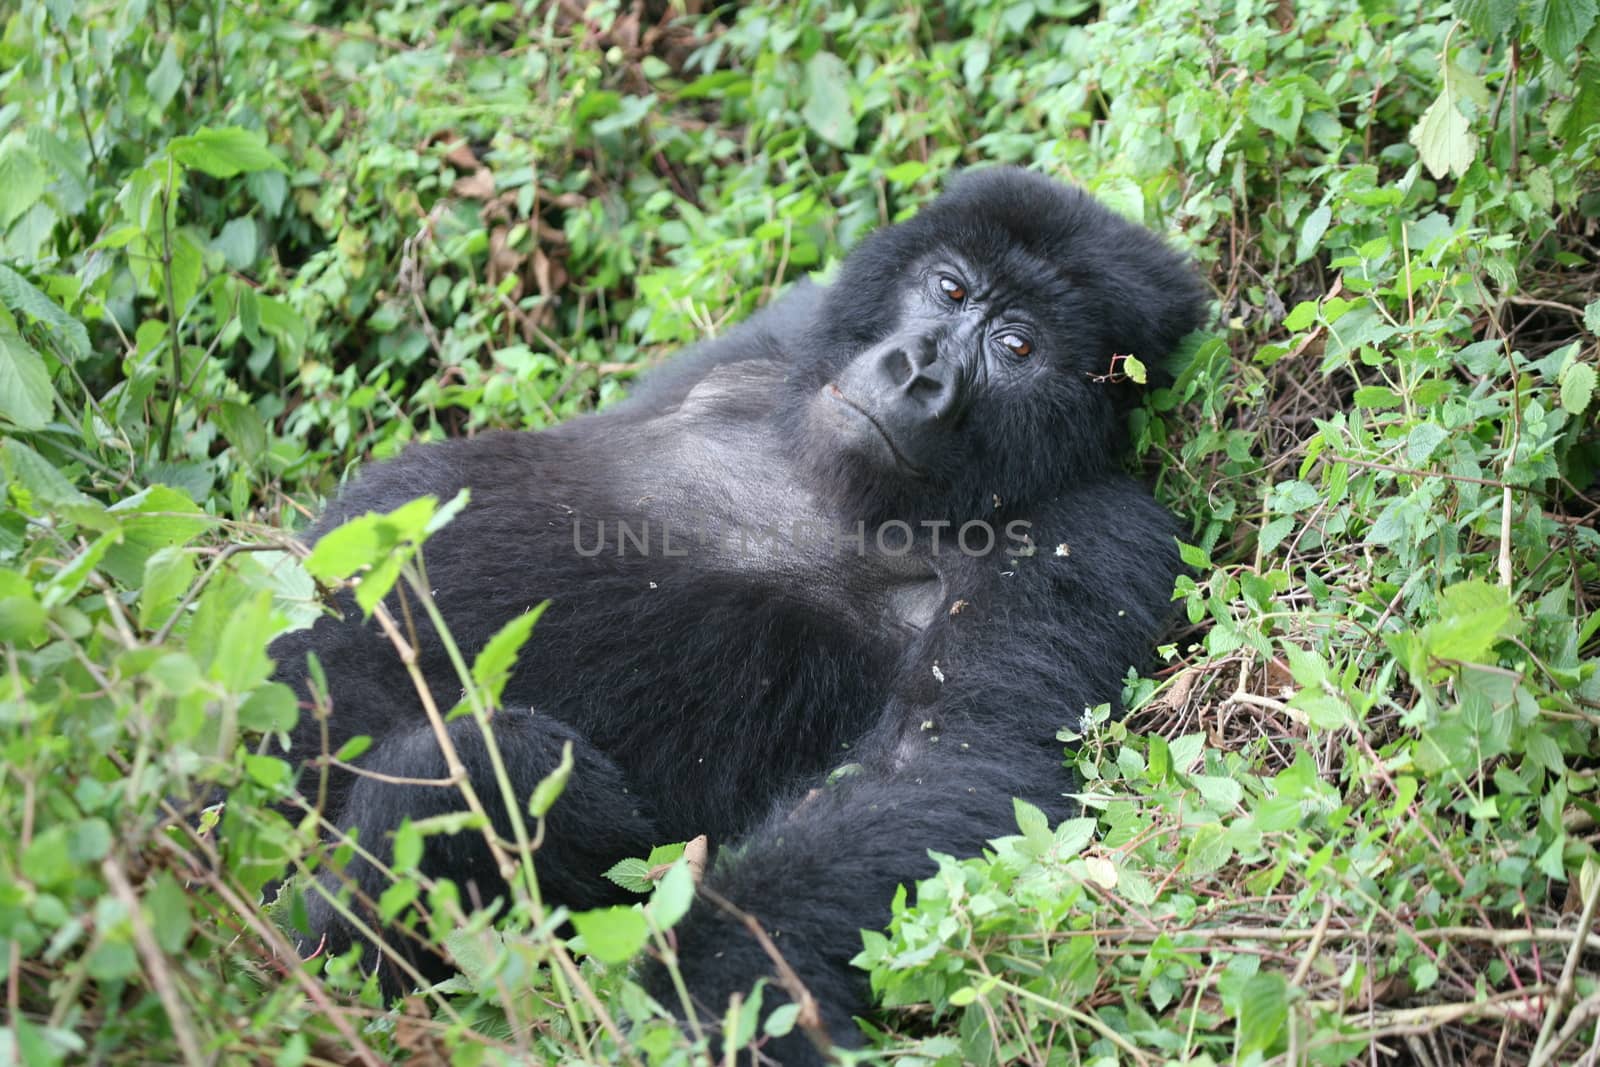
x: 956, y: 374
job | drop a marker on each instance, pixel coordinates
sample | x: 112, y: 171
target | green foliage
x: 244, y: 247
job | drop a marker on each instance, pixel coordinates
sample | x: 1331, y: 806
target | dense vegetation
x: 246, y: 245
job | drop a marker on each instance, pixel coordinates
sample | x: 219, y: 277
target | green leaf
x: 1577, y: 387
x: 1444, y: 139
x: 551, y: 785
x: 1033, y: 824
x: 407, y: 847
x: 1209, y: 849
x: 782, y: 1019
x: 19, y: 294
x: 237, y: 243
x: 1488, y: 18
x: 166, y: 79
x: 1591, y: 317
x: 168, y: 905
x: 1561, y: 25
x: 224, y: 151
x: 492, y: 666
x: 1311, y: 232
x: 612, y: 935
x: 26, y: 397
x: 673, y: 895
x: 1423, y: 439
x: 22, y: 617
x: 1263, y: 1013
x: 632, y: 874
x: 1473, y: 616
x: 827, y: 108
x: 1134, y: 369
x: 22, y: 179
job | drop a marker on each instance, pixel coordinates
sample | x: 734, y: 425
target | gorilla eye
x: 1017, y: 346
x: 953, y: 289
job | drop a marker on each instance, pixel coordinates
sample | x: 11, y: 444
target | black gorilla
x: 880, y: 523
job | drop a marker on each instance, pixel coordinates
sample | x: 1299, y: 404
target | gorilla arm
x: 1045, y: 637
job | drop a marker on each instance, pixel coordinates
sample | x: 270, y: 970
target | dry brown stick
x: 1546, y: 1047
x: 155, y: 963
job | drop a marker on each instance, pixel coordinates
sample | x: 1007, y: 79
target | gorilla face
x: 990, y: 374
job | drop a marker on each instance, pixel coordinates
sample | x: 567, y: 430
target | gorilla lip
x: 834, y: 391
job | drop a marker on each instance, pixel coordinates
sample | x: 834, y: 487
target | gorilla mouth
x: 894, y: 450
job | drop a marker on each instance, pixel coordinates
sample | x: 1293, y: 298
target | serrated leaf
x: 27, y: 399
x: 223, y: 152
x: 19, y: 294
x: 1443, y: 137
x: 1591, y: 317
x: 1559, y: 25
x: 1423, y: 439
x: 1473, y: 616
x: 1488, y: 18
x: 1577, y: 387
x: 632, y: 874
x: 492, y: 666
x: 827, y: 108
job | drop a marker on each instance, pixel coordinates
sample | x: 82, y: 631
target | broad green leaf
x: 26, y: 397
x: 1488, y: 18
x: 19, y: 294
x: 1591, y: 317
x: 168, y: 905
x: 23, y: 179
x: 1443, y: 137
x: 827, y: 108
x: 632, y: 874
x: 1473, y: 616
x: 1263, y: 1013
x: 1560, y: 24
x: 1423, y: 439
x: 1311, y: 232
x: 1577, y: 387
x: 1033, y: 824
x: 166, y: 79
x: 224, y: 151
x: 612, y: 935
x: 673, y: 895
x: 22, y: 617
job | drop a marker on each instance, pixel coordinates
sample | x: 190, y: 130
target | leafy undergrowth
x: 246, y: 246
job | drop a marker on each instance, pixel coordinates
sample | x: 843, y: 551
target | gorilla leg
x: 817, y: 873
x: 596, y: 822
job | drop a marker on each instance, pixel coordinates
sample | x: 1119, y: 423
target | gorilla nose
x: 911, y: 368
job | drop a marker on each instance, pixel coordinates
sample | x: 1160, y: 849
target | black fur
x: 711, y: 691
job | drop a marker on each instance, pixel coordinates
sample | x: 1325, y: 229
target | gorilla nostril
x: 899, y: 367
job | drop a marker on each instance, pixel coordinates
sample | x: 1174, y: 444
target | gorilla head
x: 968, y: 354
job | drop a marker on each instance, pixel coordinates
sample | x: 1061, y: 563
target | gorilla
x: 882, y: 525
